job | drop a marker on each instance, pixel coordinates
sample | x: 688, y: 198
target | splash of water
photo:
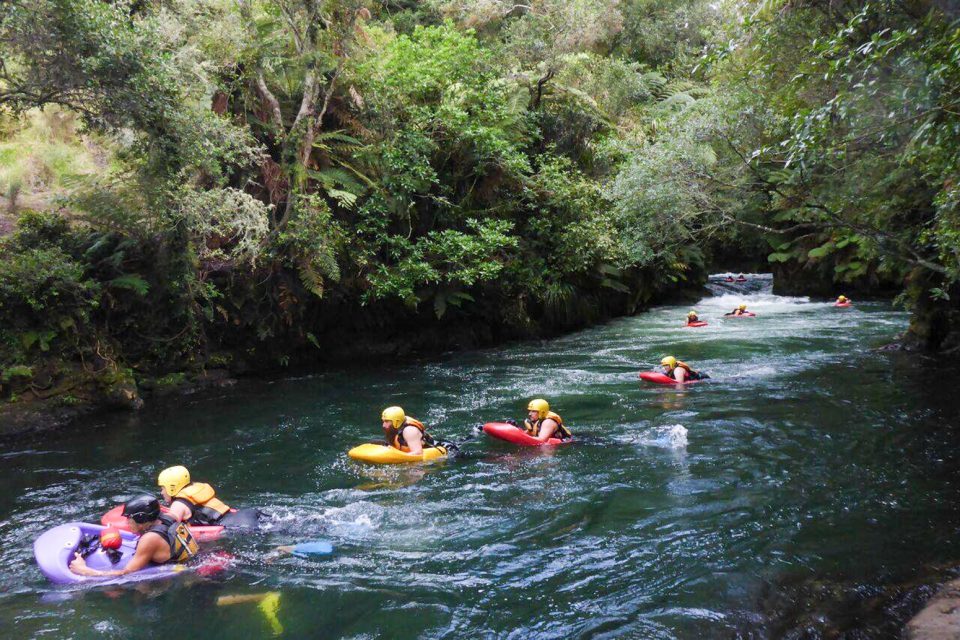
x: 671, y: 436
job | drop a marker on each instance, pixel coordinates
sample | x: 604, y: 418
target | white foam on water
x: 754, y: 301
x: 107, y: 626
x: 759, y: 371
x: 672, y: 436
x: 353, y: 516
x: 363, y: 520
x: 735, y: 274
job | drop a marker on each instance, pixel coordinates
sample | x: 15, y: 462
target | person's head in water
x: 842, y: 299
x: 669, y: 363
x: 141, y: 512
x: 742, y: 307
x: 392, y: 420
x: 537, y: 409
x: 172, y: 481
x: 692, y: 316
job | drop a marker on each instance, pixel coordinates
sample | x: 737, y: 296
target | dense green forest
x: 250, y: 184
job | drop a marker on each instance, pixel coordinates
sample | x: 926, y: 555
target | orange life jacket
x: 533, y: 428
x: 205, y: 507
x: 401, y: 444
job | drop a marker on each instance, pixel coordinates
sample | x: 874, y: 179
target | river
x: 812, y: 473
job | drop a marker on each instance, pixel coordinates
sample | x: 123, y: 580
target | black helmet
x: 143, y: 508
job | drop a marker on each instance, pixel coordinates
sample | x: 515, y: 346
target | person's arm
x: 547, y: 429
x: 413, y: 438
x: 680, y: 374
x: 142, y: 557
x: 304, y: 549
x: 180, y: 511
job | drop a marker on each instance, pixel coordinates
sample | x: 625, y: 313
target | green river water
x: 811, y: 477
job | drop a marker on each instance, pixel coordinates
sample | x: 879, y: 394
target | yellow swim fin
x: 268, y: 603
x: 269, y: 606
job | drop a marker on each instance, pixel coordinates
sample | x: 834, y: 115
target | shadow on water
x: 806, y: 491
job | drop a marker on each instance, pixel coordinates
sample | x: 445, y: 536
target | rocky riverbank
x: 940, y: 618
x: 53, y: 395
x: 38, y: 414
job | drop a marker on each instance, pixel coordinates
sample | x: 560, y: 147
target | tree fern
x: 131, y: 281
x: 341, y: 181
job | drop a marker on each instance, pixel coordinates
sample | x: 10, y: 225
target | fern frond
x: 312, y: 281
x: 131, y: 281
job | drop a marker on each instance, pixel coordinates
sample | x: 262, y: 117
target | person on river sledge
x: 190, y: 502
x: 163, y: 539
x: 739, y: 311
x: 680, y: 371
x: 692, y: 317
x: 844, y: 300
x: 405, y: 433
x: 543, y: 424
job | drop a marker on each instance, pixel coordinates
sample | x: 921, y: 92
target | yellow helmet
x: 394, y: 415
x: 669, y: 361
x: 174, y: 479
x: 691, y: 314
x: 539, y: 405
x: 742, y: 307
x: 842, y: 299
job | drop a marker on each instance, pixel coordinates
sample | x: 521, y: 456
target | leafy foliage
x: 848, y: 147
x: 267, y: 168
x: 45, y: 295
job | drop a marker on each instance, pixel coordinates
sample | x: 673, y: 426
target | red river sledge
x: 516, y: 435
x: 660, y: 378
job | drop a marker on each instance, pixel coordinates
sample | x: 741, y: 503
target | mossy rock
x: 119, y: 387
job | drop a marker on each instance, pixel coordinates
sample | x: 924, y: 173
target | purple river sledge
x: 55, y: 548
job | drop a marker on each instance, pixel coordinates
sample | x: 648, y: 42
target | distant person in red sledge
x: 740, y: 311
x: 680, y: 371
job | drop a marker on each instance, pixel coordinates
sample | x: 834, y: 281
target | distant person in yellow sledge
x: 403, y: 432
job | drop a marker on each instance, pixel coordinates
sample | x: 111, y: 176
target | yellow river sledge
x: 380, y: 454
